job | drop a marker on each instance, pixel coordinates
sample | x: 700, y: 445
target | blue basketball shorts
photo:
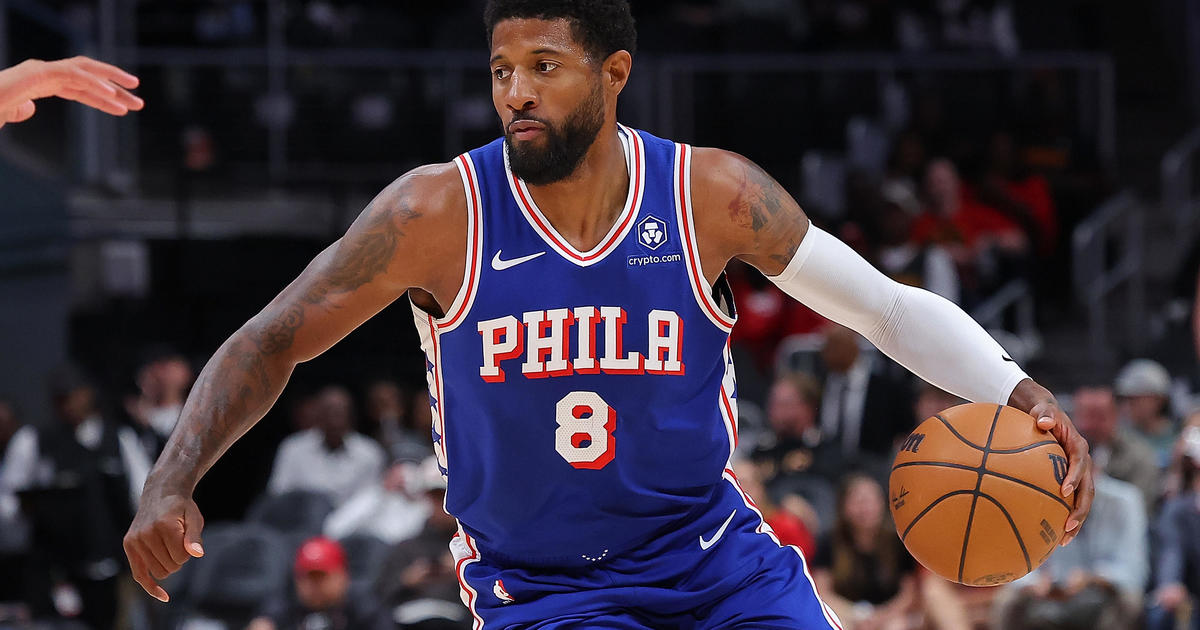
x: 723, y: 570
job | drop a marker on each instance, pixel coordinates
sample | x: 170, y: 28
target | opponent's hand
x: 164, y: 535
x: 1038, y: 402
x: 93, y: 83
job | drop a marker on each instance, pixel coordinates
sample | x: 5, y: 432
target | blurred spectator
x: 330, y: 458
x: 418, y: 581
x: 927, y: 266
x: 979, y: 238
x: 902, y: 178
x: 1020, y: 194
x: 1175, y: 482
x: 322, y: 597
x: 987, y: 25
x: 795, y: 443
x: 932, y: 400
x: 1196, y: 318
x: 793, y: 460
x: 793, y: 525
x: 305, y: 412
x: 863, y: 571
x: 1144, y: 387
x: 862, y: 409
x: 163, y: 381
x: 14, y: 529
x: 384, y: 412
x: 387, y: 509
x: 402, y: 422
x: 1097, y: 581
x: 1177, y: 553
x: 79, y: 482
x: 1116, y: 449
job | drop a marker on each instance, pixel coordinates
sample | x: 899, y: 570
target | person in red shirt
x: 1020, y: 194
x: 978, y: 237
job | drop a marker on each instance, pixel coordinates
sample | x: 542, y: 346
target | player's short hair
x: 602, y: 26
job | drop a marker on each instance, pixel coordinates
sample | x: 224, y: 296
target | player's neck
x: 583, y: 207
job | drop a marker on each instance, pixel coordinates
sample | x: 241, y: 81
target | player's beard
x: 564, y: 148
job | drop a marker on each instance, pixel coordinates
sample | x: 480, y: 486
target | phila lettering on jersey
x: 582, y: 400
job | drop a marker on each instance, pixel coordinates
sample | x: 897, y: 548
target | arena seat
x: 295, y: 512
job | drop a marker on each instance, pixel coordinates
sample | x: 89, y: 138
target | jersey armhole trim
x: 471, y: 270
x: 682, y: 186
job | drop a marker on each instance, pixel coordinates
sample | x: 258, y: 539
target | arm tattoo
x: 246, y: 375
x: 764, y: 207
x: 358, y: 261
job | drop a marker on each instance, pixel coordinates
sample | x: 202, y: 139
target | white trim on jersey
x: 465, y: 299
x: 465, y: 552
x: 428, y: 334
x: 726, y: 405
x: 682, y: 186
x: 763, y: 528
x: 635, y: 152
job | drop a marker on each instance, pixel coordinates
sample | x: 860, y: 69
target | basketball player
x: 566, y: 281
x: 93, y: 83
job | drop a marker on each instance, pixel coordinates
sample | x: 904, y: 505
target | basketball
x: 975, y: 494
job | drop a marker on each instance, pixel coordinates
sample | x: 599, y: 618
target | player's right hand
x: 164, y: 534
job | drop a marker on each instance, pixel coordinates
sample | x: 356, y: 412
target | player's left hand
x: 93, y: 83
x: 1038, y: 402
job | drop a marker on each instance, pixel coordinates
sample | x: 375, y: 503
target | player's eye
x: 546, y: 66
x: 500, y: 73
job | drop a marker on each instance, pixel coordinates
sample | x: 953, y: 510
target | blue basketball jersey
x: 583, y: 402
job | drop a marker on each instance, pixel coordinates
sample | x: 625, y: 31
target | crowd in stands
x: 349, y: 531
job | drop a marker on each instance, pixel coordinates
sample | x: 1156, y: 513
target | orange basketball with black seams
x: 975, y: 494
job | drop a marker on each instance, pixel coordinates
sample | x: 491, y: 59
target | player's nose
x: 520, y: 94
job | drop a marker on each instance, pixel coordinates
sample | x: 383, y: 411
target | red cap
x: 320, y: 554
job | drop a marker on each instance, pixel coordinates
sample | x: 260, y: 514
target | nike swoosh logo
x: 1003, y: 356
x: 705, y: 544
x: 501, y: 265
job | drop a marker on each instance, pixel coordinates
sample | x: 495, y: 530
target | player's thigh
x: 779, y: 596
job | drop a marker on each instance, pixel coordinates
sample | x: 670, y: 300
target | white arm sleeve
x: 919, y: 330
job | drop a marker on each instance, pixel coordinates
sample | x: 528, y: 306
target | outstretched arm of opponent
x: 743, y: 213
x: 392, y: 246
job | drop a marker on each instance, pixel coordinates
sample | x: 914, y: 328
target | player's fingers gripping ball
x: 975, y: 494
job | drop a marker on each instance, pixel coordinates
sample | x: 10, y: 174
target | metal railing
x: 1015, y: 298
x: 1180, y: 198
x: 1108, y: 251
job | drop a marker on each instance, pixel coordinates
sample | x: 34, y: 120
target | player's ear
x: 616, y: 69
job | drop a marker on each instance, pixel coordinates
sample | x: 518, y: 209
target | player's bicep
x: 346, y: 284
x: 754, y: 217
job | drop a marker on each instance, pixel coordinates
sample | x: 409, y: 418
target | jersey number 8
x: 585, y: 430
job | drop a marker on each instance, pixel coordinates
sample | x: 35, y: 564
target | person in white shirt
x: 331, y: 458
x: 80, y: 480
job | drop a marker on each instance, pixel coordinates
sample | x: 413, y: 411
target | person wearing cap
x: 321, y: 598
x: 1116, y: 450
x: 79, y: 481
x: 1144, y: 387
x: 1177, y: 533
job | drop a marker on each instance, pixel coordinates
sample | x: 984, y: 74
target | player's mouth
x: 525, y: 129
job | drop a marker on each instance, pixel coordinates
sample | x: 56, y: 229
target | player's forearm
x: 924, y: 332
x: 235, y: 390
